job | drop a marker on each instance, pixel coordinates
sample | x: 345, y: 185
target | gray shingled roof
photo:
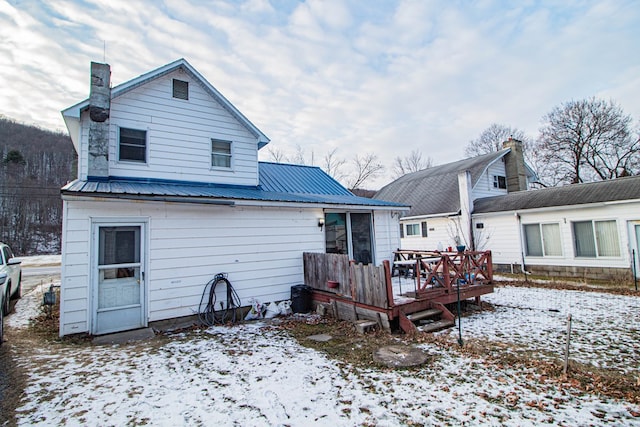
x: 435, y: 190
x: 576, y: 194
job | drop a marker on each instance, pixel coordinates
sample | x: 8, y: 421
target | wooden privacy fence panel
x: 322, y: 268
x: 364, y: 284
x: 369, y: 285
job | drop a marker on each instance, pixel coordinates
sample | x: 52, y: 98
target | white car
x: 12, y: 284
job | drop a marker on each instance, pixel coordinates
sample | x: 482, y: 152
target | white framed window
x: 542, y: 239
x: 413, y: 230
x: 220, y: 154
x: 180, y: 89
x: 593, y: 239
x: 132, y: 145
x: 499, y: 181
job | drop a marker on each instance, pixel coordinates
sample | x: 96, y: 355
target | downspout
x: 524, y: 269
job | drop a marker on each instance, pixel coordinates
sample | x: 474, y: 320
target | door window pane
x: 119, y: 245
x: 361, y: 237
x: 336, y: 233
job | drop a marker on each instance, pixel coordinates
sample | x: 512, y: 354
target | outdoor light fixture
x: 320, y: 223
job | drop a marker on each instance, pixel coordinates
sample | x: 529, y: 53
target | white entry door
x: 119, y: 285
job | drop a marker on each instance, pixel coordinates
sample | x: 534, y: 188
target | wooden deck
x: 354, y: 292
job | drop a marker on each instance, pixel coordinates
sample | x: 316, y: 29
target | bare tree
x: 365, y: 167
x: 277, y: 155
x: 491, y: 139
x: 411, y: 163
x: 333, y: 165
x: 587, y: 140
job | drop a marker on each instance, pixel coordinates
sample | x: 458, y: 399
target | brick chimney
x: 99, y: 105
x: 514, y: 166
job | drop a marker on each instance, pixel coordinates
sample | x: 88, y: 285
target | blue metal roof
x: 278, y: 183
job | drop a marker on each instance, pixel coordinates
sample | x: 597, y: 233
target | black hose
x: 208, y: 314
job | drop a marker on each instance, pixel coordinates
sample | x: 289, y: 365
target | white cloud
x: 387, y: 77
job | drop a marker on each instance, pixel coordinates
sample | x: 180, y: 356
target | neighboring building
x: 581, y: 230
x: 441, y: 197
x: 170, y: 192
x: 589, y: 230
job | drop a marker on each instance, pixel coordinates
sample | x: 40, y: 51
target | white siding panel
x: 440, y: 233
x: 259, y: 248
x: 506, y: 242
x: 179, y: 135
x: 499, y: 235
x: 387, y: 235
x: 484, y: 186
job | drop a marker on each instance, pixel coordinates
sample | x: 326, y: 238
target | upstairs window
x: 594, y: 239
x: 499, y: 182
x: 133, y: 145
x: 180, y: 89
x: 220, y: 154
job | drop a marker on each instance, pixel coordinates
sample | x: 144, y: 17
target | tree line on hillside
x: 34, y: 165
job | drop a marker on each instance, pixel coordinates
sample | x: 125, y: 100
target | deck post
x: 387, y: 281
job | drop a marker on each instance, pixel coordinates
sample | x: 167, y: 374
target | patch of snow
x: 40, y: 260
x: 256, y: 374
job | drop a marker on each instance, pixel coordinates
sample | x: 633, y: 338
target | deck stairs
x: 433, y: 319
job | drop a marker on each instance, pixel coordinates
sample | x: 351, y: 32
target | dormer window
x: 180, y: 89
x: 220, y: 153
x: 499, y: 182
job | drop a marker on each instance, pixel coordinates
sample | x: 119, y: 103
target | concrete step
x: 432, y: 312
x: 363, y: 325
x: 436, y: 326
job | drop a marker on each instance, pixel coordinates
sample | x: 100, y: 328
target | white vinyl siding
x: 259, y: 248
x: 179, y: 135
x: 484, y: 187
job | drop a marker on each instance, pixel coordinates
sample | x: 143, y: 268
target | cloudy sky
x: 386, y: 77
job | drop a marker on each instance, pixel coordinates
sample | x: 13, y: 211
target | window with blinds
x: 594, y: 239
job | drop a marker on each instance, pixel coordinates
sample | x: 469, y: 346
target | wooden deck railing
x: 433, y: 269
x: 364, y: 284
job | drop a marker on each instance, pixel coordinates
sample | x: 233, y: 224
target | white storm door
x: 637, y: 260
x: 119, y: 291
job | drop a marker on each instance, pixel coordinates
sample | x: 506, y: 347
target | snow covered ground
x: 256, y: 375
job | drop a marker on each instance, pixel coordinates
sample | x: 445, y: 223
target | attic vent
x: 180, y: 89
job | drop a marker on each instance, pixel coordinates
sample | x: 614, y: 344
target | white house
x: 170, y: 192
x: 589, y: 230
x: 441, y: 197
x: 580, y: 230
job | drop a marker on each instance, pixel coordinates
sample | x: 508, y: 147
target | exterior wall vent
x: 180, y: 89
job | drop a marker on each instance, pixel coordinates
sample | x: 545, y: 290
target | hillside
x: 34, y: 164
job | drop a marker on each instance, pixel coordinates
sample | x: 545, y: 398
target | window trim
x: 230, y: 156
x: 146, y: 146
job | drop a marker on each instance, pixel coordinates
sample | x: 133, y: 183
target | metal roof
x: 612, y: 190
x: 435, y: 190
x: 278, y: 183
